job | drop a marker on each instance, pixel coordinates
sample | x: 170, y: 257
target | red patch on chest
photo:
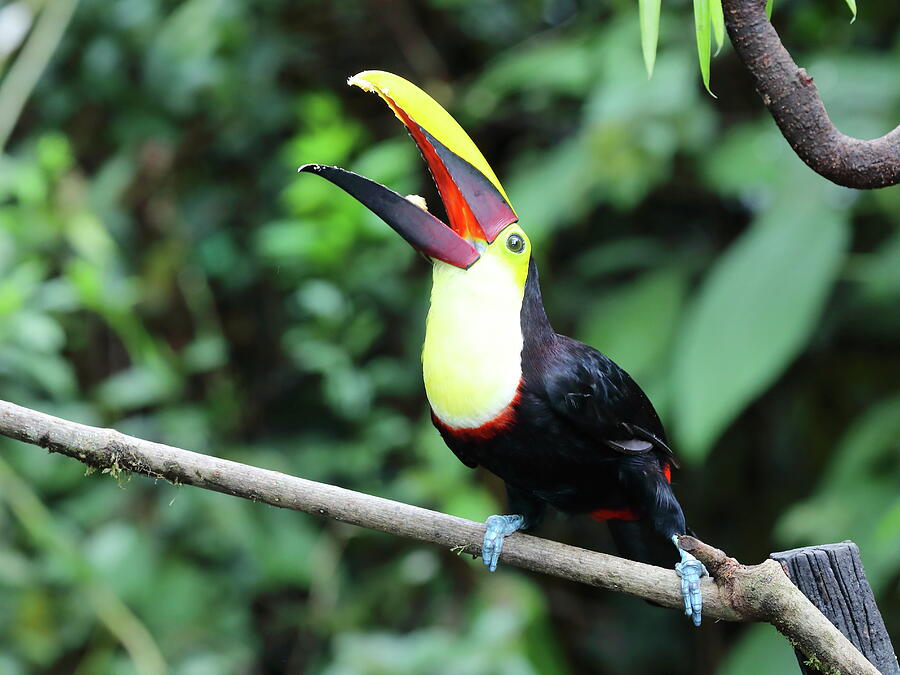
x: 486, y: 431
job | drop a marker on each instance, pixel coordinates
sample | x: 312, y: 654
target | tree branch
x: 793, y: 100
x: 740, y: 593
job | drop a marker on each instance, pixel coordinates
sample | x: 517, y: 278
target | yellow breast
x: 472, y: 358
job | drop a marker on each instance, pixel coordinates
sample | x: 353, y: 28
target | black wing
x: 601, y: 399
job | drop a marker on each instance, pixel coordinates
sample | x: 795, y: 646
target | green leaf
x: 718, y: 23
x: 649, y: 11
x: 754, y: 313
x: 857, y: 497
x: 852, y: 5
x: 769, y: 4
x: 863, y: 454
x: 702, y: 29
x: 554, y: 68
x: 136, y: 387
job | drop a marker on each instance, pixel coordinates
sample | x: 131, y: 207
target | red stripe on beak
x: 460, y: 215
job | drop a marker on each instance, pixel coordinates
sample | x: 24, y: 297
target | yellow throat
x: 472, y: 358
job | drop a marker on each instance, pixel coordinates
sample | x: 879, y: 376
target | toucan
x: 560, y: 423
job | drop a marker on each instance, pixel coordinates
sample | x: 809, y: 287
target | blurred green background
x: 164, y: 270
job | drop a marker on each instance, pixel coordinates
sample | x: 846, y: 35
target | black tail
x: 638, y: 540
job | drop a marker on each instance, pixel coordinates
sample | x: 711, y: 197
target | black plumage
x: 581, y: 436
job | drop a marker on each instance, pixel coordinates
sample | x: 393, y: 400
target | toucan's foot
x: 497, y: 529
x: 690, y: 570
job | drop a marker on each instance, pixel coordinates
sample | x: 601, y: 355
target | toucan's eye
x: 515, y: 243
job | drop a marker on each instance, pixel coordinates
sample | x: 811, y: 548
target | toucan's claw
x: 690, y: 570
x: 497, y: 528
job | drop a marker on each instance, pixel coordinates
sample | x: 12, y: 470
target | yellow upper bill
x: 406, y: 99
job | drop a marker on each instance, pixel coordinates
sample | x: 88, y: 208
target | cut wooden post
x: 833, y: 578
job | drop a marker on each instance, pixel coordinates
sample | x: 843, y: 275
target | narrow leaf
x: 718, y: 23
x: 852, y: 5
x: 702, y: 29
x: 649, y: 11
x: 754, y: 313
x: 769, y: 8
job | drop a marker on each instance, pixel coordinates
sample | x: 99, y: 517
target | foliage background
x: 163, y: 270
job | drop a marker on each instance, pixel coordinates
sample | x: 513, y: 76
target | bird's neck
x: 536, y: 329
x: 474, y: 337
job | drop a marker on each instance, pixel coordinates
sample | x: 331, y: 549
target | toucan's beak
x: 421, y: 229
x: 477, y: 206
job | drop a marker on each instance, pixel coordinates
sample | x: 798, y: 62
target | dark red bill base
x: 422, y: 230
x: 484, y: 200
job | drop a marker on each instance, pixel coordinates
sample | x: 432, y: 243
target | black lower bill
x: 418, y: 227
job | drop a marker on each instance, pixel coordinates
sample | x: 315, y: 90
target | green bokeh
x: 164, y: 270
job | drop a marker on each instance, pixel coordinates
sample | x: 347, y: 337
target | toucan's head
x: 482, y: 225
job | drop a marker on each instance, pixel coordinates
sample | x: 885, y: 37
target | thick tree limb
x: 741, y: 593
x: 793, y: 100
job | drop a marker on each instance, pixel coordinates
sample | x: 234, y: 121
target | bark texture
x: 833, y: 578
x: 792, y: 98
x: 739, y: 593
